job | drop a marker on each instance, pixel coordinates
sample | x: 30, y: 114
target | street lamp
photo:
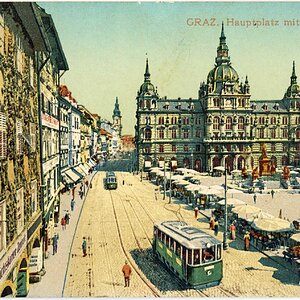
x: 164, y: 179
x: 170, y: 190
x: 225, y: 244
x: 192, y: 160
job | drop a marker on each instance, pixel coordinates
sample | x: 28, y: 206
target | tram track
x: 138, y: 272
x: 190, y: 292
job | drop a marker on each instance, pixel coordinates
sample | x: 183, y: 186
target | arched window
x: 147, y: 134
x: 161, y: 120
x: 216, y: 123
x: 228, y: 123
x: 273, y: 120
x: 298, y: 133
x: 153, y: 104
x: 241, y: 123
x: 173, y: 120
x: 284, y: 120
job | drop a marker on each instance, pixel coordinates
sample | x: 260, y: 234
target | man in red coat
x: 127, y: 272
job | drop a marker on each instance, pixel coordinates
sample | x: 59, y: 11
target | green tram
x: 110, y: 181
x: 192, y: 255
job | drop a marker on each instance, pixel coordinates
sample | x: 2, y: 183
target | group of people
x: 214, y: 225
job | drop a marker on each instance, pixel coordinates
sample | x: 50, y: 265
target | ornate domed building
x: 222, y: 127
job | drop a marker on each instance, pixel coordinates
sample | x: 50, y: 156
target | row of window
x: 174, y: 133
x: 161, y: 148
x: 190, y: 256
x: 218, y: 148
x: 31, y: 139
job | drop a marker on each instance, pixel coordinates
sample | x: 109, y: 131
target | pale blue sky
x: 105, y: 45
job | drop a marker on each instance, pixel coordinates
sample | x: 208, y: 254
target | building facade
x: 51, y: 65
x: 222, y: 127
x: 20, y: 172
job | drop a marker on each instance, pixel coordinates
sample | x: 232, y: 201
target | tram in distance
x: 192, y: 255
x: 110, y: 181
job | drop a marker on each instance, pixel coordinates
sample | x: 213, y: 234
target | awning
x: 72, y: 175
x: 92, y: 162
x: 74, y: 170
x: 83, y: 169
x: 67, y: 179
x: 78, y: 170
x: 86, y: 166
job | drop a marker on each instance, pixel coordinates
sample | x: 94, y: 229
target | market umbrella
x: 246, y: 211
x: 209, y: 191
x: 295, y: 237
x: 219, y: 168
x: 176, y: 177
x: 272, y: 225
x: 236, y: 171
x: 232, y: 201
x: 193, y: 187
x: 182, y: 182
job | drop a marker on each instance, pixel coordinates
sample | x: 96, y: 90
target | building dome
x: 147, y: 88
x: 222, y: 73
x: 294, y: 89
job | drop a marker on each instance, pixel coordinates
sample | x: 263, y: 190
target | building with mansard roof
x: 222, y: 127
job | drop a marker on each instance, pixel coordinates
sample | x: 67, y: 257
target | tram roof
x: 188, y: 236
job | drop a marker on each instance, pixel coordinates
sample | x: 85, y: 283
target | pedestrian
x: 84, y: 247
x: 254, y: 198
x: 216, y: 227
x: 126, y: 272
x: 63, y: 223
x: 246, y: 241
x: 54, y: 243
x: 272, y: 193
x: 211, y: 223
x: 73, y: 191
x: 72, y: 204
x: 123, y: 182
x: 67, y: 217
x: 196, y: 212
x: 233, y: 231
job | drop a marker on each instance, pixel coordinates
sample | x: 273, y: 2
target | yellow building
x: 20, y: 211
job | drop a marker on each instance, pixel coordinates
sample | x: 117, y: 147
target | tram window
x: 167, y: 241
x: 189, y: 256
x: 219, y: 252
x: 178, y: 249
x: 208, y: 254
x: 196, y: 257
x: 172, y: 244
x: 184, y: 254
x: 163, y: 236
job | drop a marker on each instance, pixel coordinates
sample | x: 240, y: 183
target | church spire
x: 222, y: 50
x: 293, y: 77
x: 147, y: 74
x: 117, y: 112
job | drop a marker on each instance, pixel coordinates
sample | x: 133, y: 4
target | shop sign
x: 12, y: 255
x: 35, y: 263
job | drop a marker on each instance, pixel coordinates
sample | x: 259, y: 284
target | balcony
x: 228, y: 138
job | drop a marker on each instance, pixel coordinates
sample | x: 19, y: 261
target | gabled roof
x: 57, y: 52
x: 32, y: 23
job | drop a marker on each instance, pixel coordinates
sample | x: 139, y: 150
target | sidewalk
x: 52, y: 282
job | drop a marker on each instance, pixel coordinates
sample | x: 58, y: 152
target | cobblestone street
x: 118, y: 225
